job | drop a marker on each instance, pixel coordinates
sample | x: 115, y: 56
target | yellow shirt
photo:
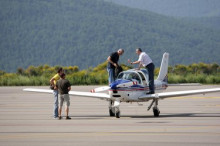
x: 56, y: 78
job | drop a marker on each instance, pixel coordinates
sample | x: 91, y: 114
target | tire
x: 156, y: 112
x: 111, y: 113
x: 117, y: 115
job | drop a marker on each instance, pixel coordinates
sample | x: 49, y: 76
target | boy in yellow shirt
x: 53, y: 82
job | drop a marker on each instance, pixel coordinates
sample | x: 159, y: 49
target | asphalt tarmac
x: 26, y: 119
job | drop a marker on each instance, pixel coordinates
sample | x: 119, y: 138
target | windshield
x: 145, y: 71
x: 130, y: 76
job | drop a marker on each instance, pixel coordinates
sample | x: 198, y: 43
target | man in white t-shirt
x: 145, y: 61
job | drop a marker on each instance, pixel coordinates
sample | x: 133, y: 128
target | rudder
x: 164, y: 68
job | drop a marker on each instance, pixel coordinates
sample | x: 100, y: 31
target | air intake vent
x: 116, y: 95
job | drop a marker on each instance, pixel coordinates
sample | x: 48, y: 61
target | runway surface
x: 26, y: 119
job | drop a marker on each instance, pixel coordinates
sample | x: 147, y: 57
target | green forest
x: 83, y: 33
x: 40, y: 75
x: 176, y: 8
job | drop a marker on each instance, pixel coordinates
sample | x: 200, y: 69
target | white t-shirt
x: 144, y: 59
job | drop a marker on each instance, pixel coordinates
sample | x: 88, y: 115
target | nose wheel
x: 117, y: 113
x: 114, y: 110
x: 111, y: 109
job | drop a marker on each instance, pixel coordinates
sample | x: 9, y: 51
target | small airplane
x: 132, y: 86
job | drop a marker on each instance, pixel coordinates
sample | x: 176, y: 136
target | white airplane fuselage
x: 140, y: 88
x: 132, y: 94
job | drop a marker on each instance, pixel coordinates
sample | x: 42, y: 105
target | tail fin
x: 164, y: 68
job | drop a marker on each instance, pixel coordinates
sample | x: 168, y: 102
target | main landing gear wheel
x: 111, y: 112
x: 156, y: 112
x: 117, y: 115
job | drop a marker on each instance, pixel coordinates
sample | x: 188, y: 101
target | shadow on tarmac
x: 91, y: 117
x: 180, y: 115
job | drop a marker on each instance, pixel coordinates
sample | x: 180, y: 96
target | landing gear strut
x: 156, y: 110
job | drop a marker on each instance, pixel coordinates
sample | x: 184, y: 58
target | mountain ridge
x: 84, y: 33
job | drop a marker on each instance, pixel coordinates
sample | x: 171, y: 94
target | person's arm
x: 52, y: 81
x: 139, y: 66
x: 69, y: 86
x: 109, y: 60
x: 56, y: 86
x: 135, y: 62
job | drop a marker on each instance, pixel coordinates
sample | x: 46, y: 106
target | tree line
x: 40, y: 75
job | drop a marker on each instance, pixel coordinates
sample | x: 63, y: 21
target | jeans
x: 55, y: 108
x: 111, y: 75
x: 150, y: 68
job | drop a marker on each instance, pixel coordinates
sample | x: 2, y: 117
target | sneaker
x: 68, y: 118
x: 59, y: 118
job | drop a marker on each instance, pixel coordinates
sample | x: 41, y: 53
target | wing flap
x: 179, y: 93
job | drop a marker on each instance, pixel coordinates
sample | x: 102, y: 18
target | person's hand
x: 129, y: 61
x: 55, y: 87
x: 115, y: 65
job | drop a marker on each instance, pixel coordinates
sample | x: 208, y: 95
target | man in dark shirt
x: 64, y: 87
x: 112, y: 64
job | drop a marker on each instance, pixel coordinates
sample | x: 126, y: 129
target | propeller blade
x: 100, y: 89
x: 128, y: 84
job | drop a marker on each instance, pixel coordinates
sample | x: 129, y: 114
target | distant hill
x: 204, y: 12
x: 178, y: 8
x: 209, y: 22
x: 85, y: 32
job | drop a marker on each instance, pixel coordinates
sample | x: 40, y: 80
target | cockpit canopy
x: 141, y: 76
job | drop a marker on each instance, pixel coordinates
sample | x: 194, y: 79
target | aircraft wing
x: 178, y: 93
x: 74, y: 93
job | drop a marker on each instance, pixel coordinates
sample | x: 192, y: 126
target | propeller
x: 116, y: 84
x: 128, y: 84
x: 100, y: 89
